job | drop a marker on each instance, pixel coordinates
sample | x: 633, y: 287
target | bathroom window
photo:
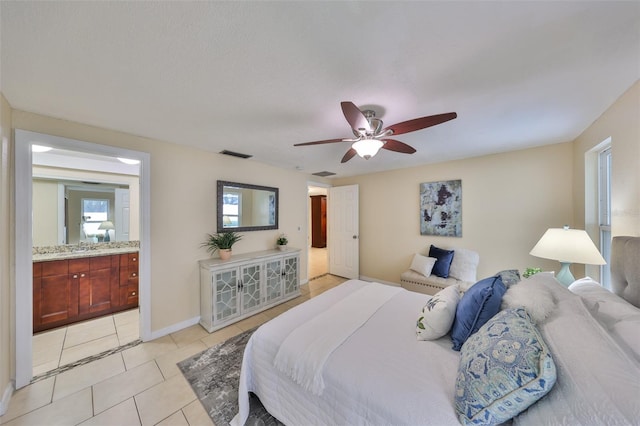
x: 604, y: 208
x: 94, y: 212
x: 231, y: 208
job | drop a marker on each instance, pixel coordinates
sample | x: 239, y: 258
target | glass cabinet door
x: 226, y: 295
x: 273, y: 287
x: 250, y: 286
x: 290, y: 275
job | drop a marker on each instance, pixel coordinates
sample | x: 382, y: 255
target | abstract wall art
x: 441, y: 208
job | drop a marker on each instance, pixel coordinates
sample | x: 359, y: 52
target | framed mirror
x: 243, y: 207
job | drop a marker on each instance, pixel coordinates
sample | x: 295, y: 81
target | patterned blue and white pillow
x: 504, y: 368
x: 437, y: 315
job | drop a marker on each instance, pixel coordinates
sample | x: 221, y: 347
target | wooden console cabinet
x: 71, y: 290
x: 246, y: 284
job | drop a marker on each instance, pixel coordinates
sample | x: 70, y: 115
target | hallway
x: 318, y: 262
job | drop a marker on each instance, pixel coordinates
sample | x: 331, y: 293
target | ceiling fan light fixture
x: 367, y: 148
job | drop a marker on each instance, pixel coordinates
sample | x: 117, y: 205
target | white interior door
x: 122, y: 212
x: 343, y: 231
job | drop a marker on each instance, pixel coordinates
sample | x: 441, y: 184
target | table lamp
x: 567, y: 246
x: 106, y: 226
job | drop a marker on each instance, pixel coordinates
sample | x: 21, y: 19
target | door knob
x: 355, y: 237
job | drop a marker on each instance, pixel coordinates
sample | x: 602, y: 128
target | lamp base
x: 564, y: 275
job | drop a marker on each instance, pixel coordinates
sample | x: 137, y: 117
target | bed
x: 379, y: 373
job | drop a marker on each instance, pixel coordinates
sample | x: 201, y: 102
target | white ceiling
x: 257, y: 77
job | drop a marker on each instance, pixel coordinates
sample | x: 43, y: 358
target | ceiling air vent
x: 235, y: 154
x: 323, y: 174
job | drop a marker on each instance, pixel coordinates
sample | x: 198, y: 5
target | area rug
x: 214, y: 375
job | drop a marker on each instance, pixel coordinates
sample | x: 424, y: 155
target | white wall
x: 508, y: 201
x: 621, y: 123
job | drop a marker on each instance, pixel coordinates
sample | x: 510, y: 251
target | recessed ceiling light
x: 40, y: 148
x: 129, y: 161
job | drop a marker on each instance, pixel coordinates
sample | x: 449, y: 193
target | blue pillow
x: 509, y: 277
x: 504, y: 368
x: 442, y: 265
x: 477, y: 306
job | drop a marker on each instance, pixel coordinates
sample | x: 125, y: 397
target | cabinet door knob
x: 82, y: 275
x: 133, y: 274
x: 133, y: 293
x: 134, y: 259
x: 75, y: 275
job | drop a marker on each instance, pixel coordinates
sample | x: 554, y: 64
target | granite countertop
x: 63, y: 252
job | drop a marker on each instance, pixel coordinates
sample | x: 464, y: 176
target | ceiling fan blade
x: 397, y: 146
x: 349, y: 155
x: 354, y: 116
x: 318, y: 142
x: 421, y: 123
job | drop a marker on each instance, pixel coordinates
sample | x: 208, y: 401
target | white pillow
x: 422, y: 264
x: 464, y: 265
x: 437, y: 315
x: 536, y: 299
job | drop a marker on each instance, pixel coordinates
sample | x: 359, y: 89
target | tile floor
x: 138, y: 386
x: 318, y: 262
x: 66, y: 345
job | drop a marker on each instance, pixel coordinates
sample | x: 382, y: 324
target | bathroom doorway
x: 90, y: 155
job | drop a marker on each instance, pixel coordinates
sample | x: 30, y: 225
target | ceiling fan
x: 370, y: 136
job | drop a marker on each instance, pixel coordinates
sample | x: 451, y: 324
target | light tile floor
x: 66, y: 345
x: 318, y: 262
x: 138, y: 386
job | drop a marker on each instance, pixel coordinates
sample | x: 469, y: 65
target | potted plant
x: 531, y: 271
x: 282, y: 242
x: 221, y: 242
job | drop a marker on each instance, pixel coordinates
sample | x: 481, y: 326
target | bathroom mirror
x: 243, y: 207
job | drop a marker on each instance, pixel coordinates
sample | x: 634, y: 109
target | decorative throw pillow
x: 437, y: 315
x: 509, y: 277
x: 504, y: 368
x: 441, y: 268
x: 535, y: 298
x: 422, y: 264
x: 464, y: 265
x: 477, y: 306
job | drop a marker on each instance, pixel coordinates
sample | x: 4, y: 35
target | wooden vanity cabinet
x: 55, y: 295
x: 128, y: 292
x: 98, y: 284
x: 67, y: 291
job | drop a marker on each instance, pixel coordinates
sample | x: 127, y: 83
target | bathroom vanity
x: 72, y: 286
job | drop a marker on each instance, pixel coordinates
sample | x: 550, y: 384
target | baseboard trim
x: 6, y: 397
x: 175, y: 327
x: 365, y: 278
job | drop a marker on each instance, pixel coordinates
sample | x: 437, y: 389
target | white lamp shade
x: 568, y: 245
x: 367, y: 148
x: 107, y: 224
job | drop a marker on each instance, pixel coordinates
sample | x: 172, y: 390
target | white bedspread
x: 380, y: 375
x: 305, y: 350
